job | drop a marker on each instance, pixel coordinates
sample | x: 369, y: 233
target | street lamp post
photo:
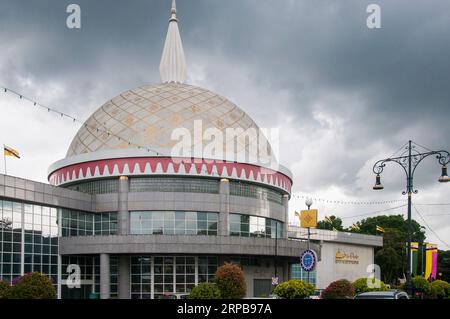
x: 409, y: 161
x: 308, y: 203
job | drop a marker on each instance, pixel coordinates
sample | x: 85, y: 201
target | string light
x: 98, y: 130
x: 74, y: 119
x: 347, y: 202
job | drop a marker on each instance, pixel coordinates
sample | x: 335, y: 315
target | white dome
x: 148, y: 115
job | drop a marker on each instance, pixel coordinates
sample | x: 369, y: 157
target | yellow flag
x: 8, y: 151
x: 380, y: 229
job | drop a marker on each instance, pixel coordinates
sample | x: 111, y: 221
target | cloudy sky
x: 342, y: 95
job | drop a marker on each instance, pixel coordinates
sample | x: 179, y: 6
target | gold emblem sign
x: 308, y: 218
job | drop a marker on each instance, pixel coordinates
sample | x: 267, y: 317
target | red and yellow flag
x: 8, y: 151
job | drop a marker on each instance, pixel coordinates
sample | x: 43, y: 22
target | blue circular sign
x: 308, y: 260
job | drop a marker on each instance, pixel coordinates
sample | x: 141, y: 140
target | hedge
x: 205, y: 291
x: 360, y: 285
x: 294, y: 289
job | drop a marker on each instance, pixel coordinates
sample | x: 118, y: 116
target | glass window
x: 104, y: 186
x: 75, y: 223
x: 174, y: 184
x: 254, y: 226
x: 173, y: 223
x: 298, y: 273
x: 255, y: 191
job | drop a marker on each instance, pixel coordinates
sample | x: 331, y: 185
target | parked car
x: 391, y: 294
x: 172, y: 296
x: 315, y: 295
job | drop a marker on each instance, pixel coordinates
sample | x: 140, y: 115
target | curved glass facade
x: 77, y: 223
x: 179, y: 185
x: 253, y: 226
x: 28, y: 240
x: 173, y: 223
x: 101, y: 186
x: 254, y: 191
x: 89, y: 276
x: 174, y: 184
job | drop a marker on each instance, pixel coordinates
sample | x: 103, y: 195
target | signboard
x: 308, y: 218
x: 343, y: 257
x: 308, y: 260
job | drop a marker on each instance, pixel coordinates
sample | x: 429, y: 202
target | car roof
x: 379, y: 293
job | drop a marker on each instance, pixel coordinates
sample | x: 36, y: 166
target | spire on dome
x: 173, y: 63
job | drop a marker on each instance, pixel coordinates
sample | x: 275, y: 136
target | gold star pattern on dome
x: 146, y: 116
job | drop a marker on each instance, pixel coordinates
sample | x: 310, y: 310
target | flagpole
x: 411, y: 259
x: 4, y: 158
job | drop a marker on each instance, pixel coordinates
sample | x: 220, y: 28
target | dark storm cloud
x: 350, y: 94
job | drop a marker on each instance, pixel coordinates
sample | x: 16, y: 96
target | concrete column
x: 286, y: 214
x: 124, y: 277
x: 105, y: 277
x: 286, y: 271
x: 224, y: 190
x: 123, y: 216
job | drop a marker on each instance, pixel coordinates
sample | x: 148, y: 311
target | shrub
x: 5, y: 290
x: 205, y: 291
x: 420, y: 285
x: 340, y: 289
x: 33, y: 286
x: 439, y: 289
x: 294, y: 289
x: 231, y: 281
x: 360, y: 285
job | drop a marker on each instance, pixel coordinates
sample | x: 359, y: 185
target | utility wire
x: 428, y: 226
x: 434, y: 204
x: 374, y: 213
x: 398, y: 150
x: 443, y: 214
x: 426, y: 148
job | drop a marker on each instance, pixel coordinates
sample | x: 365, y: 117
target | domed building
x: 164, y: 221
x: 160, y: 186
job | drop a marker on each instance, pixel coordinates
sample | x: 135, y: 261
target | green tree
x: 368, y: 226
x: 392, y: 256
x: 205, y: 291
x: 294, y: 289
x: 231, y: 281
x: 33, y: 286
x: 443, y: 266
x: 336, y: 223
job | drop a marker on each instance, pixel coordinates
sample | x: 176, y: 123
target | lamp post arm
x: 443, y: 158
x: 379, y: 166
